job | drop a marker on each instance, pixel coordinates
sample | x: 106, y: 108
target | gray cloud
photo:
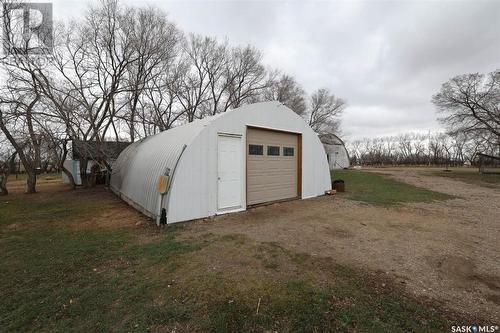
x: 386, y: 58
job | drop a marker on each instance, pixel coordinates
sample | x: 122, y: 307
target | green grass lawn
x: 471, y: 176
x: 379, y: 189
x: 62, y: 272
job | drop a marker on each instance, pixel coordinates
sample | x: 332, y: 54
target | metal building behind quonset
x: 207, y: 164
x: 336, y: 152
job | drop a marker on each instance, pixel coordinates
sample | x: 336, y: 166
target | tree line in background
x: 433, y: 149
x: 124, y: 73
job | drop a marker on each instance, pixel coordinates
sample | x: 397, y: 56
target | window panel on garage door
x: 272, y: 175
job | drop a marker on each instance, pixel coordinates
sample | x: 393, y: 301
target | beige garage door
x: 272, y: 163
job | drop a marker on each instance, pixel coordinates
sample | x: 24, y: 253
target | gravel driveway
x: 445, y: 252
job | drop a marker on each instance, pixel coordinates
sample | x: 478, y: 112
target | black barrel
x: 338, y: 185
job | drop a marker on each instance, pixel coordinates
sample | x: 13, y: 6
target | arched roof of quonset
x: 189, y: 154
x: 332, y: 139
x: 139, y: 166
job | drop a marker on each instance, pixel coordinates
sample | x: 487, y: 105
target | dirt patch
x: 117, y: 215
x: 91, y: 209
x: 17, y: 187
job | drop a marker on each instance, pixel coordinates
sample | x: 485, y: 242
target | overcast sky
x: 386, y: 58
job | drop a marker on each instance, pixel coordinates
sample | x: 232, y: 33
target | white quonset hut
x: 336, y: 152
x: 255, y: 154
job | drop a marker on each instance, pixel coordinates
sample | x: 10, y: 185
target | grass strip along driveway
x: 471, y: 176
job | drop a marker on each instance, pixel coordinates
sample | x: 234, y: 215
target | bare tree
x: 324, y: 111
x: 90, y: 64
x: 155, y: 42
x: 194, y: 89
x: 161, y: 106
x: 57, y: 140
x: 19, y: 100
x: 356, y: 152
x: 287, y: 91
x: 217, y: 63
x: 471, y: 103
x: 20, y: 92
x: 246, y: 75
x: 24, y: 139
x: 435, y: 148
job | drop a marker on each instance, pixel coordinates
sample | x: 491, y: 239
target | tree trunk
x: 8, y: 167
x: 31, y: 182
x: 12, y: 164
x: 83, y: 172
x: 28, y: 163
x: 3, y: 183
x: 63, y: 168
x: 70, y: 177
x: 93, y: 175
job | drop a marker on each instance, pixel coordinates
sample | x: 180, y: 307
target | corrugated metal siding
x: 337, y: 156
x: 136, y: 171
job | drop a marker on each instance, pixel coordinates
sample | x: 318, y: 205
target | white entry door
x: 229, y: 172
